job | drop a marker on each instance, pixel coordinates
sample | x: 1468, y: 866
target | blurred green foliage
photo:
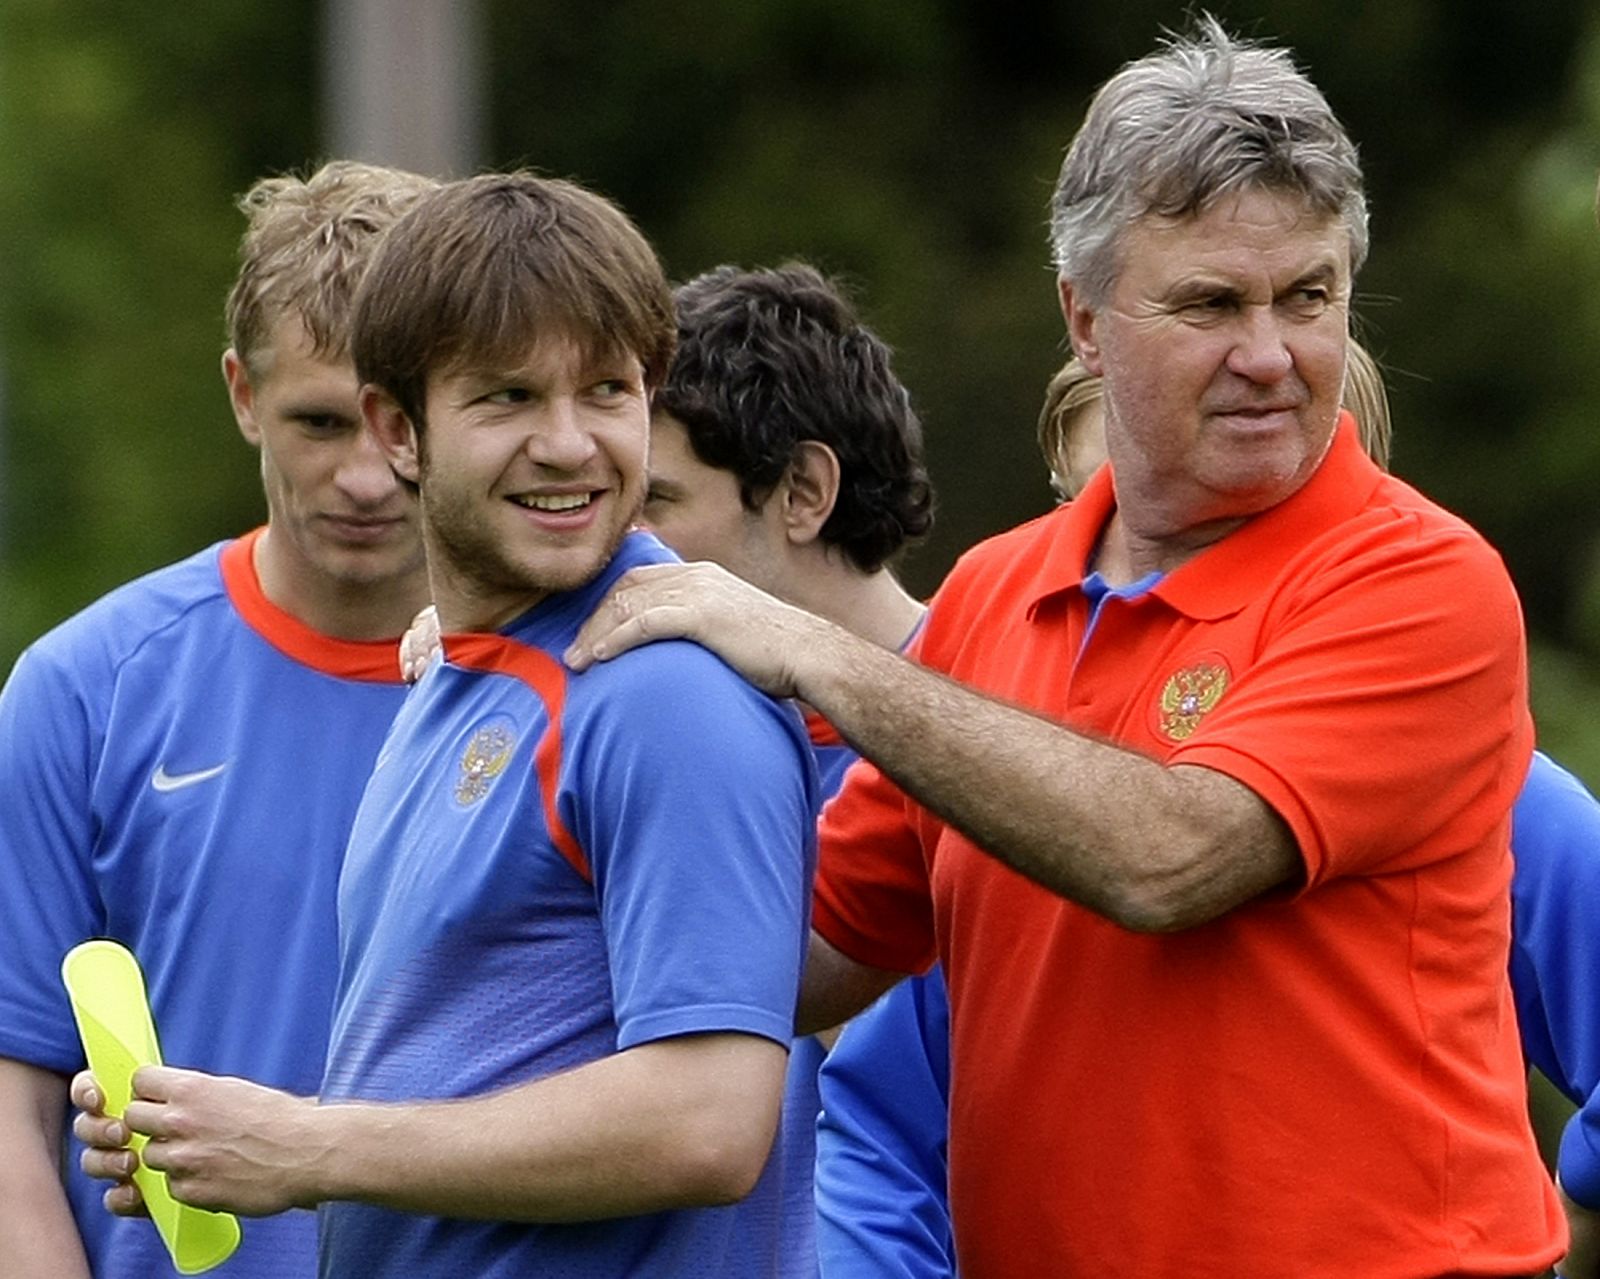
x: 909, y: 146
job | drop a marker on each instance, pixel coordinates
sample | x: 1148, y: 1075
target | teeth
x: 554, y: 501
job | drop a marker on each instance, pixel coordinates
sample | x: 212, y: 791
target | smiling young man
x: 1204, y: 802
x: 572, y: 914
x: 180, y: 763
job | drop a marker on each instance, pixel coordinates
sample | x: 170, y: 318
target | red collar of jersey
x: 1223, y: 578
x: 372, y: 661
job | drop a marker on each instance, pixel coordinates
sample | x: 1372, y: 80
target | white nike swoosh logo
x: 164, y: 781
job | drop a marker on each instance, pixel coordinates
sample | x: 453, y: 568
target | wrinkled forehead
x: 1276, y: 228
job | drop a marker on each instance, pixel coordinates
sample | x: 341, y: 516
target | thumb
x: 156, y: 1083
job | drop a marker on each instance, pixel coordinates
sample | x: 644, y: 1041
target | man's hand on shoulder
x: 765, y: 640
x: 419, y: 645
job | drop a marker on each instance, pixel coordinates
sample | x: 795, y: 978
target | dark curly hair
x: 768, y: 359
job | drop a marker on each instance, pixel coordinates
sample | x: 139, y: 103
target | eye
x: 321, y: 423
x: 610, y: 388
x: 1209, y: 306
x: 507, y: 395
x: 1311, y: 300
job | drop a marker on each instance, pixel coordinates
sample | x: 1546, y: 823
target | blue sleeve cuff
x: 1578, y: 1162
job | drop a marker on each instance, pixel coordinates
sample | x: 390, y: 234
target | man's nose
x: 1260, y: 352
x: 364, y: 474
x: 561, y: 439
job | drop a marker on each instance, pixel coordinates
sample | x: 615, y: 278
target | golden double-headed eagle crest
x: 1189, y: 695
x: 487, y: 753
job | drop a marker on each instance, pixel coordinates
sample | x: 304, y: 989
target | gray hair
x: 1204, y: 116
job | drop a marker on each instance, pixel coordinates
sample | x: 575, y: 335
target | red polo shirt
x: 1322, y: 1082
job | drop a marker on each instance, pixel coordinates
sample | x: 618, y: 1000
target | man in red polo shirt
x: 1204, y: 804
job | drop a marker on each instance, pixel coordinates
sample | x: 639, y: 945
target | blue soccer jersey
x: 548, y: 868
x: 180, y: 764
x: 1555, y: 955
x: 883, y: 1207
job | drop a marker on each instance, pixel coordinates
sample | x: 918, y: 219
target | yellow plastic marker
x: 119, y: 1036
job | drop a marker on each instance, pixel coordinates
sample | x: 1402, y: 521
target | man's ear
x: 242, y: 395
x: 1080, y: 318
x: 809, y: 490
x: 392, y: 428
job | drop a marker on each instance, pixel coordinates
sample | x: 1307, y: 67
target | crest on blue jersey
x: 488, y: 751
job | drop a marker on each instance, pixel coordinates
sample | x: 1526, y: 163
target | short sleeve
x: 1578, y: 1159
x: 1555, y: 939
x: 873, y: 898
x: 1385, y: 717
x: 49, y: 904
x: 1555, y: 955
x: 694, y: 797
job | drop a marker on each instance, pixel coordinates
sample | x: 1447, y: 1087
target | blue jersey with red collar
x: 179, y: 767
x: 548, y: 868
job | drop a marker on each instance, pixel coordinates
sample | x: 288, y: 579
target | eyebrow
x: 317, y: 408
x: 1319, y: 274
x: 1196, y: 288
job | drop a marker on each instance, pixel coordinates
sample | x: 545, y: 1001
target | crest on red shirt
x: 1189, y: 695
x: 487, y: 753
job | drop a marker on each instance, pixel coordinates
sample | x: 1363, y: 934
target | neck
x: 872, y: 605
x: 1126, y: 553
x: 344, y: 609
x: 463, y: 605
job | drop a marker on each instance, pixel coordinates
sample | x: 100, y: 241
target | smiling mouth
x: 553, y: 501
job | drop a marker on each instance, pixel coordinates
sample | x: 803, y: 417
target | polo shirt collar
x: 1223, y: 578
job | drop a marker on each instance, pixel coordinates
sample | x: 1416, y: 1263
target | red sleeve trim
x: 820, y: 731
x: 548, y: 680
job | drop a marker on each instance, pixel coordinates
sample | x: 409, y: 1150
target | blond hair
x: 307, y: 243
x: 1071, y: 390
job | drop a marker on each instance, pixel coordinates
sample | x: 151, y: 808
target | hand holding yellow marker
x: 119, y: 1036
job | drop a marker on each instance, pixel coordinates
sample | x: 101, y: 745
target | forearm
x: 1149, y: 846
x: 836, y: 987
x: 679, y: 1123
x: 38, y: 1236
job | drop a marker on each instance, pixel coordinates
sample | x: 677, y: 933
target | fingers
x: 109, y: 1165
x: 638, y: 609
x: 419, y: 644
x: 160, y: 1083
x: 124, y: 1200
x: 146, y: 1113
x: 152, y: 1118
x: 100, y: 1131
x: 86, y: 1094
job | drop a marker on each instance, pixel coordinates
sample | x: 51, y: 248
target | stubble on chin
x: 473, y: 557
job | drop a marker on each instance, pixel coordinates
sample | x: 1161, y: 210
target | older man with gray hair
x: 1204, y: 802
